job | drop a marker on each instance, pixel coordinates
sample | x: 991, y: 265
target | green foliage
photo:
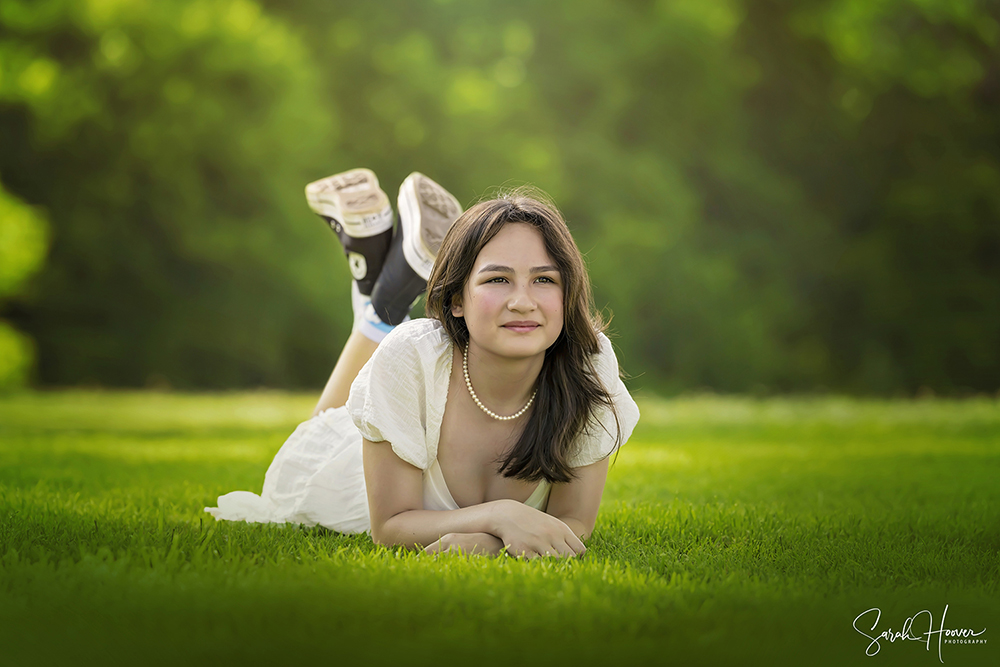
x: 23, y: 243
x: 732, y: 531
x: 169, y: 143
x: 772, y: 195
x: 17, y: 355
x: 888, y: 124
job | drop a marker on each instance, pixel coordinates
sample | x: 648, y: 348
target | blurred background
x: 772, y: 195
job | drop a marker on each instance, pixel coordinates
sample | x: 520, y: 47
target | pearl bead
x: 472, y: 392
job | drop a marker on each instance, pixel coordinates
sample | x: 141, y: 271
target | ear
x: 456, y: 307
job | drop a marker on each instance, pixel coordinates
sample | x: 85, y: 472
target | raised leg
x: 356, y: 353
x: 393, y: 273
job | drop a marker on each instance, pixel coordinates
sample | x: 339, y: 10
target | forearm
x: 419, y: 528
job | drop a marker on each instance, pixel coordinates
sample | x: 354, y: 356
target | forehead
x: 517, y: 244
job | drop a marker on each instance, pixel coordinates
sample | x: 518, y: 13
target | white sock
x: 372, y: 326
x: 359, y: 304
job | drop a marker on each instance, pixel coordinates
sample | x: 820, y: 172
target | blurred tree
x: 23, y: 242
x: 888, y: 120
x: 772, y: 195
x: 169, y: 143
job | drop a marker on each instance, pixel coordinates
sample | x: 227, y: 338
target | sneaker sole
x: 426, y: 211
x: 354, y: 199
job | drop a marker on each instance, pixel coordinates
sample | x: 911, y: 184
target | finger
x: 515, y: 550
x: 550, y: 548
x: 566, y: 550
x: 562, y: 550
x: 572, y: 552
x: 530, y: 553
x: 576, y: 544
x: 557, y: 548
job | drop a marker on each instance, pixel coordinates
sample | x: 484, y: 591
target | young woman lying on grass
x: 483, y: 428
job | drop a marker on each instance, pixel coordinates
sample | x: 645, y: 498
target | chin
x: 527, y: 348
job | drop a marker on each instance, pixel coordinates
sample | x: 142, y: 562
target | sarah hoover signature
x: 944, y: 635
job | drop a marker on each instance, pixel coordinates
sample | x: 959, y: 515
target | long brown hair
x: 570, y: 394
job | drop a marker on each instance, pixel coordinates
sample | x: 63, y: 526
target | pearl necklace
x: 472, y: 392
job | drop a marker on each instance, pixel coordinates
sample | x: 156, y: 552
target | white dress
x: 317, y: 476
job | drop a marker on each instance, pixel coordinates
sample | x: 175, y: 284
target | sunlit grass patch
x: 732, y: 531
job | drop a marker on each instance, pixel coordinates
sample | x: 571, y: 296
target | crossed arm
x: 395, y: 505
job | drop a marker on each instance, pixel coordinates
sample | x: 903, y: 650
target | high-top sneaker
x: 358, y: 211
x: 426, y: 211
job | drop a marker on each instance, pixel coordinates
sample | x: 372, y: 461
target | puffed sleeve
x: 388, y: 398
x: 599, y: 438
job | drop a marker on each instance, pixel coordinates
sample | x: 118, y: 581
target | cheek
x: 486, y: 303
x: 554, y: 303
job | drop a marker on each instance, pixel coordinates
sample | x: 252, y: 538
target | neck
x: 503, y: 384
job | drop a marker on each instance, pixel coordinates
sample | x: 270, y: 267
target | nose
x: 521, y: 300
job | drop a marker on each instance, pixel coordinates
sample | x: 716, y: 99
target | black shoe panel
x: 398, y: 285
x: 365, y: 256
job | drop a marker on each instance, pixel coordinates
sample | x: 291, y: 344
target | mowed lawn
x: 733, y: 531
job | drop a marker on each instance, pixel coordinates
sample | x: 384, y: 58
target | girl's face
x: 512, y: 301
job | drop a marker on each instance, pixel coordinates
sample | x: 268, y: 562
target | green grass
x: 733, y: 531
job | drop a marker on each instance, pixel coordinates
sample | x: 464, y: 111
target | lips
x: 521, y: 326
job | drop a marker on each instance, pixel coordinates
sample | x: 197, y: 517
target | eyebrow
x: 500, y: 268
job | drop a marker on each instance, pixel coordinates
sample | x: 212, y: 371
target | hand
x: 467, y: 543
x: 530, y: 533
